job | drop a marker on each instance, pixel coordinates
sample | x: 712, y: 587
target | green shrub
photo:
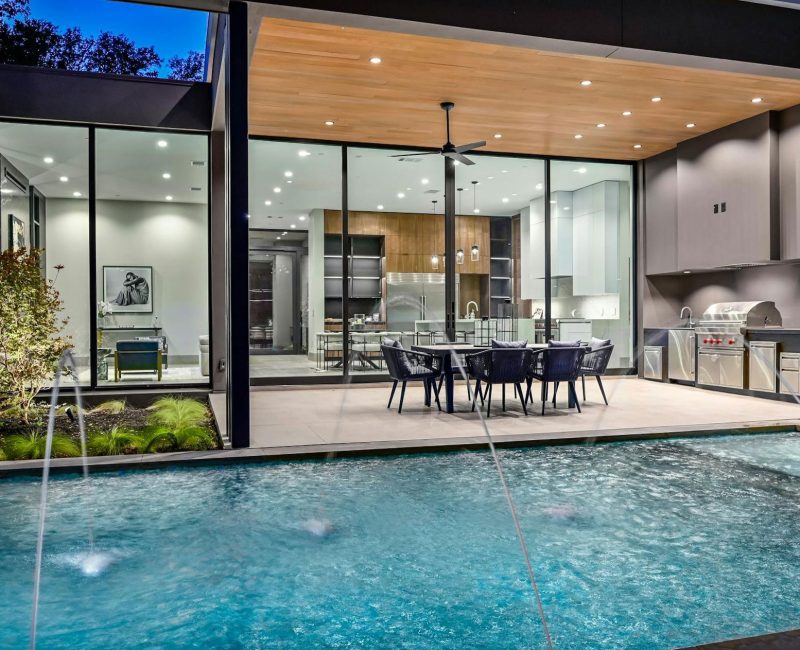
x: 114, y: 442
x: 160, y: 439
x: 33, y: 445
x: 176, y: 413
x: 114, y: 406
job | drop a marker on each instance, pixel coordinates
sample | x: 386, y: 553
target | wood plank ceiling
x: 304, y: 74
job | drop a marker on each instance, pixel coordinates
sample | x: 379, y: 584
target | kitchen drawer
x: 790, y: 361
x: 654, y: 362
x: 790, y: 382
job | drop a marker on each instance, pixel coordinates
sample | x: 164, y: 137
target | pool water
x: 636, y: 545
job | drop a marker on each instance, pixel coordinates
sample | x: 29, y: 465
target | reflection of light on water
x: 561, y: 512
x: 89, y: 563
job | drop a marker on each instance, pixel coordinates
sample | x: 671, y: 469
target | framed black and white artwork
x: 128, y: 289
x: 16, y: 233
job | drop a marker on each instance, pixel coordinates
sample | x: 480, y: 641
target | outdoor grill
x: 724, y: 324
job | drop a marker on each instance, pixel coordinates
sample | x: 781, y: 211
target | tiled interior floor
x: 289, y: 416
x: 297, y: 365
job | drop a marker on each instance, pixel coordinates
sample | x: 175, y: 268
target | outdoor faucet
x: 471, y: 313
x: 684, y: 309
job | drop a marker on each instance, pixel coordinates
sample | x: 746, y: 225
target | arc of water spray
x: 66, y: 362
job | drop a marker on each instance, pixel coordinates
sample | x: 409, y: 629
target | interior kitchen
x: 721, y: 285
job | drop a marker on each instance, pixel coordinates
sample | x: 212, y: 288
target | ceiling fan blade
x: 457, y: 156
x: 469, y: 147
x: 422, y: 153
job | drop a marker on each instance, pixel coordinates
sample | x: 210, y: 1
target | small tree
x: 30, y: 331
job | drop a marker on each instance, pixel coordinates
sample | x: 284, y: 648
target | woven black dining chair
x: 594, y: 364
x: 557, y: 365
x: 406, y: 365
x: 499, y: 366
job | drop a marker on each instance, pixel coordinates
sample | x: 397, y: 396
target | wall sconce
x: 475, y: 253
x: 435, y: 262
x: 460, y: 256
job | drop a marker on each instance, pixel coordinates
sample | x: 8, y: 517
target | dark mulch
x: 130, y: 418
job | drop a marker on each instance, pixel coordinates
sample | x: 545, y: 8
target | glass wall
x: 44, y: 189
x: 296, y: 284
x: 592, y: 255
x: 152, y: 257
x: 500, y: 248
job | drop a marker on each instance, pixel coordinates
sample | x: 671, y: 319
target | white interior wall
x: 316, y: 278
x: 170, y: 237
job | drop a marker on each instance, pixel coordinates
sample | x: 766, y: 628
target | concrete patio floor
x: 356, y: 415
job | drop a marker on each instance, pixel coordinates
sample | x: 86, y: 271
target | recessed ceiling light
x: 380, y: 207
x: 290, y: 181
x: 293, y: 226
x: 278, y: 237
x: 168, y: 197
x: 586, y: 82
x: 505, y: 199
x: 655, y: 99
x: 401, y: 195
x: 600, y: 125
x: 424, y: 181
x: 626, y: 113
x: 166, y: 176
x: 687, y: 272
x: 757, y: 100
x: 581, y: 170
x: 538, y: 187
x: 490, y: 178
x: 288, y: 174
x: 302, y: 217
x: 277, y: 190
x: 515, y: 194
x: 566, y: 207
x: 497, y: 136
x: 637, y: 146
x: 76, y: 194
x: 504, y: 171
x: 64, y: 179
x: 162, y: 144
x: 48, y: 160
x: 477, y: 210
x: 303, y: 153
x: 375, y: 60
x: 329, y: 122
x: 267, y: 202
x: 552, y: 202
x: 578, y: 136
x: 691, y: 125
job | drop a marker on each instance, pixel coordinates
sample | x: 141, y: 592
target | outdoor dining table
x: 445, y: 351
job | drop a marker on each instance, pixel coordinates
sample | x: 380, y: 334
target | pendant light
x: 434, y: 257
x: 475, y: 208
x: 475, y: 253
x: 460, y: 189
x: 460, y: 256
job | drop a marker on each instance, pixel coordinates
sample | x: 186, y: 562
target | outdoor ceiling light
x: 578, y: 136
x: 475, y: 253
x: 757, y: 100
x: 586, y: 82
x: 626, y: 113
x: 64, y: 179
x: 375, y: 60
x: 655, y: 99
x: 48, y: 160
x: 329, y: 122
x: 162, y: 144
x: 166, y: 176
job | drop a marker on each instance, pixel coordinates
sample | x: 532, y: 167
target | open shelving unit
x: 501, y: 271
x: 365, y: 270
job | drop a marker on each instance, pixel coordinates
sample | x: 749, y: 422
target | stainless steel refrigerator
x: 415, y: 297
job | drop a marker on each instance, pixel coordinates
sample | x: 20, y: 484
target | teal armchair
x: 137, y: 356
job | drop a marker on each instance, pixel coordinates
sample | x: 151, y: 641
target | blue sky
x: 170, y: 31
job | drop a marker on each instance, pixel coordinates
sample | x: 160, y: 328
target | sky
x: 171, y: 31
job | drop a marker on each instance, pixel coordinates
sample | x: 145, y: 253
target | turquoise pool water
x: 636, y: 545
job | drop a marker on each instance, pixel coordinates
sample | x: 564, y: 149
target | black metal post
x: 450, y: 308
x: 345, y: 272
x: 238, y: 411
x: 93, y: 258
x: 547, y: 262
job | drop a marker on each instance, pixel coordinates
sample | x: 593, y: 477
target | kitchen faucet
x: 684, y: 309
x: 471, y: 314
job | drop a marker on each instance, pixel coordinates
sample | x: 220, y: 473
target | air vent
x: 410, y: 160
x: 197, y: 189
x: 198, y: 163
x: 431, y: 191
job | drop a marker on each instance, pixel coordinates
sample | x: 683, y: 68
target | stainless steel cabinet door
x: 681, y: 354
x: 731, y: 369
x: 762, y: 366
x: 708, y: 368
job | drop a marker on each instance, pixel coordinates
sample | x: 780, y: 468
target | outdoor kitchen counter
x: 787, y: 338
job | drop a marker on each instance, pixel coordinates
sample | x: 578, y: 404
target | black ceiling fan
x: 449, y: 149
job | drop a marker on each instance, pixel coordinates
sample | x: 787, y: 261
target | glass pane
x: 295, y: 260
x: 500, y: 248
x: 591, y: 254
x: 152, y: 257
x: 44, y: 179
x: 396, y: 224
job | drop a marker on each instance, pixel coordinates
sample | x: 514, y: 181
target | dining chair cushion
x: 392, y: 343
x: 599, y: 343
x: 509, y: 344
x: 564, y: 344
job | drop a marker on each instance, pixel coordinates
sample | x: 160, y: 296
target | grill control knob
x: 731, y: 341
x: 718, y: 341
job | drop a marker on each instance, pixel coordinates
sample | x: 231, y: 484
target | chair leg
x: 435, y: 393
x: 489, y: 402
x: 602, y: 390
x: 528, y: 397
x: 504, y: 397
x: 583, y: 384
x: 555, y: 393
x: 518, y: 391
x: 574, y: 393
x: 427, y: 387
x: 544, y: 395
x: 391, y: 396
x: 402, y: 396
x: 474, y: 397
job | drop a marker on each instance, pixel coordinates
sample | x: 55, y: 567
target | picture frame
x: 16, y: 233
x: 128, y: 289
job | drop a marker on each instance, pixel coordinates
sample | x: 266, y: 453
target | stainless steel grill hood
x: 757, y: 313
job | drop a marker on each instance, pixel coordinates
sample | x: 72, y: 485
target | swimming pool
x: 637, y: 545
